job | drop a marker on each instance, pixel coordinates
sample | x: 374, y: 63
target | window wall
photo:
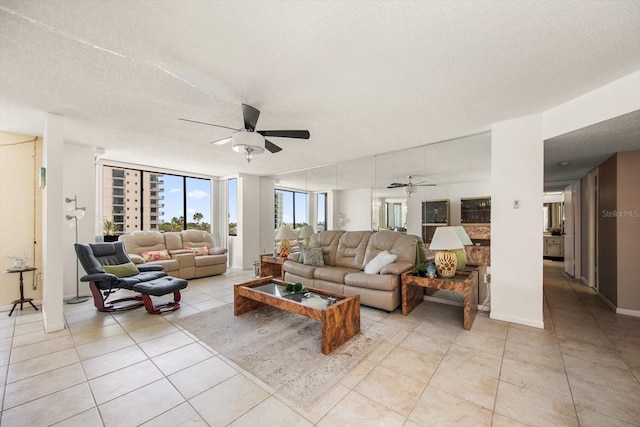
x: 145, y: 200
x: 291, y: 208
x: 232, y: 197
x: 321, y: 216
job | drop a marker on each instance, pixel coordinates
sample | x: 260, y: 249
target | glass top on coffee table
x: 304, y: 297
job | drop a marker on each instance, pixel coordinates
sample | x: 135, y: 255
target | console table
x: 271, y: 266
x: 22, y: 299
x: 465, y: 282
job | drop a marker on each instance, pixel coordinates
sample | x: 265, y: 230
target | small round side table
x: 22, y: 299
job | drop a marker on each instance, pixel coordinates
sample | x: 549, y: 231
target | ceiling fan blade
x: 208, y: 124
x: 396, y: 185
x: 424, y: 185
x: 273, y: 148
x: 221, y: 141
x: 300, y: 134
x: 250, y: 115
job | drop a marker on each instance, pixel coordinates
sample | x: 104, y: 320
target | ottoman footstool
x: 158, y: 288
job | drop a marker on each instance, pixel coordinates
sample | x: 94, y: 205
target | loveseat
x: 187, y: 254
x: 346, y: 254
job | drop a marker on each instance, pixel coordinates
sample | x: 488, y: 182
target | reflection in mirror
x: 553, y: 218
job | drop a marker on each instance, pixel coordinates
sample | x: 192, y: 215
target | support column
x: 53, y: 224
x: 517, y: 173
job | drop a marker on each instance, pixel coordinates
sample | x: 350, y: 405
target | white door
x: 569, y: 229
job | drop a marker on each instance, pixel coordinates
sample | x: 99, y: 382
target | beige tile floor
x: 133, y: 368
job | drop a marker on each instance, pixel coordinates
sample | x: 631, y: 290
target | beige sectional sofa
x: 178, y: 252
x: 345, y: 255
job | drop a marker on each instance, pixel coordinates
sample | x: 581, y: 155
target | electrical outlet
x: 487, y: 277
x: 516, y: 204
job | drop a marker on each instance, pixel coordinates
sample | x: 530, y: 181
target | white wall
x: 267, y: 217
x: 619, y: 97
x: 517, y: 158
x: 249, y: 219
x: 78, y: 179
x: 355, y: 205
x: 53, y: 224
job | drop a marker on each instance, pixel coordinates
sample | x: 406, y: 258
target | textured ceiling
x: 365, y: 78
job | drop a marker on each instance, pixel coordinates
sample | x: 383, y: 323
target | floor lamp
x: 75, y: 214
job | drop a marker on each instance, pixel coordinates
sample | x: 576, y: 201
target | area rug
x: 284, y: 349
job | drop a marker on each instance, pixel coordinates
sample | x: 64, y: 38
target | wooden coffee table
x: 340, y: 321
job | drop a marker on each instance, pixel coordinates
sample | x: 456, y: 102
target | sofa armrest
x: 99, y: 277
x: 218, y: 250
x: 136, y: 259
x: 396, y: 267
x: 185, y: 259
x: 150, y: 267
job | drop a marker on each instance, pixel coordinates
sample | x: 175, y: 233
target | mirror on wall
x: 459, y: 168
x: 553, y: 217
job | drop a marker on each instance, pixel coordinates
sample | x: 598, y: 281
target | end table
x: 22, y: 299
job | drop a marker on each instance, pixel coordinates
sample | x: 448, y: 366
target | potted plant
x: 422, y: 269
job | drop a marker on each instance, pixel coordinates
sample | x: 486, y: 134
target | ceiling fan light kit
x: 250, y: 141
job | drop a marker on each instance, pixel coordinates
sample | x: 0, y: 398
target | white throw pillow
x: 375, y: 265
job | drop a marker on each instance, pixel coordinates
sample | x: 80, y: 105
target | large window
x: 145, y: 200
x: 322, y: 212
x: 291, y: 208
x: 232, y: 197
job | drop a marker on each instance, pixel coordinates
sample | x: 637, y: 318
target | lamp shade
x: 285, y: 232
x: 445, y: 238
x: 306, y: 232
x: 462, y: 235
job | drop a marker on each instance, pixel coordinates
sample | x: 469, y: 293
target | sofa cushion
x: 351, y: 249
x: 332, y: 274
x: 139, y: 241
x: 402, y: 245
x: 150, y: 256
x: 383, y: 282
x: 196, y: 238
x: 313, y: 256
x: 381, y: 260
x: 299, y: 269
x: 328, y: 241
x: 122, y: 270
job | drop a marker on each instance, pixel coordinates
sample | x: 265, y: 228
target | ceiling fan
x: 409, y: 187
x: 251, y: 141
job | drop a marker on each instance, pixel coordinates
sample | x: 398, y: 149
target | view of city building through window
x: 232, y: 197
x: 290, y: 208
x: 322, y: 212
x: 143, y: 200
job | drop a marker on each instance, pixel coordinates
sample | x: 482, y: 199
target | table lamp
x: 284, y: 234
x: 445, y: 239
x: 305, y: 234
x: 461, y: 254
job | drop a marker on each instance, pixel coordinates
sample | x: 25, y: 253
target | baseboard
x: 627, y: 312
x: 586, y: 281
x: 518, y: 320
x: 609, y: 304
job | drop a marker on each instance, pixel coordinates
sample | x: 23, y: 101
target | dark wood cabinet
x: 435, y: 212
x: 476, y: 210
